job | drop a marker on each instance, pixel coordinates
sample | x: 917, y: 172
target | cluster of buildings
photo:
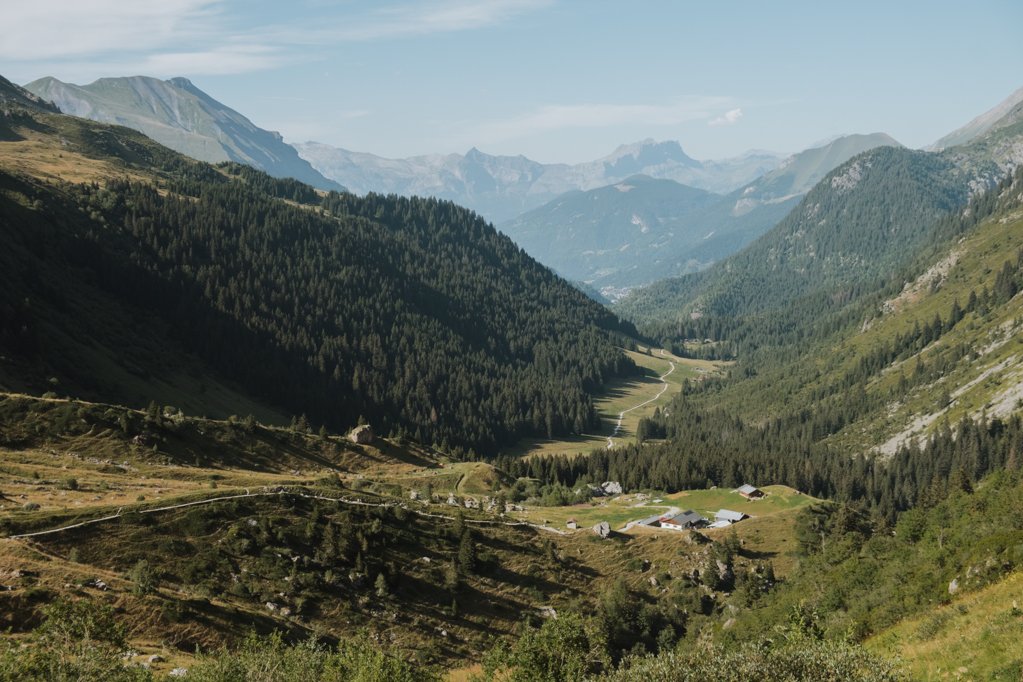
x: 689, y: 520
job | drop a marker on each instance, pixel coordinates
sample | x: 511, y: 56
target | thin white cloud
x: 218, y: 61
x: 171, y: 37
x: 52, y: 29
x: 728, y: 118
x: 562, y: 116
x: 433, y: 17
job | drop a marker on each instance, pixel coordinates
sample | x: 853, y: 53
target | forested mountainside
x: 179, y: 115
x: 641, y: 230
x: 627, y: 233
x: 412, y: 313
x: 849, y: 234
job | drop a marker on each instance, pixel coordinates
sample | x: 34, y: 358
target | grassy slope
x: 989, y: 382
x: 768, y: 532
x: 47, y: 442
x: 976, y: 637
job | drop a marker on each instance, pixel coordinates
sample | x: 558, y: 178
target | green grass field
x: 618, y: 511
x: 779, y: 498
x: 626, y: 394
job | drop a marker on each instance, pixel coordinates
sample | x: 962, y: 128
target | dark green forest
x: 412, y: 313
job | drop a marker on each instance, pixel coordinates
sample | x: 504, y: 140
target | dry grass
x: 37, y: 155
x: 979, y: 636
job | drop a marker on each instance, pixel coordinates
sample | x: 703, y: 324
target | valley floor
x: 626, y: 401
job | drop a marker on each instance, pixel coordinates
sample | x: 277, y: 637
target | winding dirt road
x: 621, y: 415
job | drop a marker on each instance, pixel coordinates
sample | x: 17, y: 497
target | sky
x: 554, y: 80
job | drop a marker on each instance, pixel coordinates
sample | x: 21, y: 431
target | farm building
x: 730, y: 516
x: 726, y: 517
x: 684, y: 521
x: 750, y: 492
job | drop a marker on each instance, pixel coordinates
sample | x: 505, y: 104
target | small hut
x: 750, y: 492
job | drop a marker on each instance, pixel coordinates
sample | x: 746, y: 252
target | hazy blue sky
x: 556, y: 80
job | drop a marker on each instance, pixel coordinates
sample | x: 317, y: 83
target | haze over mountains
x: 502, y: 187
x: 640, y: 230
x: 859, y: 223
x: 179, y: 115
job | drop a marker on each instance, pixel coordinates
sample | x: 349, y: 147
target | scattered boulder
x: 178, y: 672
x: 547, y: 612
x: 362, y: 434
x: 611, y: 487
x: 953, y: 586
x: 603, y: 530
x: 693, y: 538
x: 155, y: 658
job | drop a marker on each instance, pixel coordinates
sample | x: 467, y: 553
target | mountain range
x: 179, y: 115
x: 860, y: 223
x: 639, y: 230
x: 501, y: 187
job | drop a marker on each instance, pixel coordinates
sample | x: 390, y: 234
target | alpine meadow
x: 341, y: 403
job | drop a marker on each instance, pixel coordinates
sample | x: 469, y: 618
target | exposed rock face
x: 362, y: 434
x: 179, y: 115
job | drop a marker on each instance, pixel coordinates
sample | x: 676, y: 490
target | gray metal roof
x: 729, y: 515
x: 687, y: 517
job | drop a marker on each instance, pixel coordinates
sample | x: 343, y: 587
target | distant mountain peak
x: 179, y: 115
x: 634, y: 158
x: 651, y: 148
x: 181, y: 82
x: 981, y: 124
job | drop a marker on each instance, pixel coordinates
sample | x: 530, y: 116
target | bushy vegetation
x: 860, y: 574
x: 78, y: 640
x: 271, y: 659
x: 803, y: 659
